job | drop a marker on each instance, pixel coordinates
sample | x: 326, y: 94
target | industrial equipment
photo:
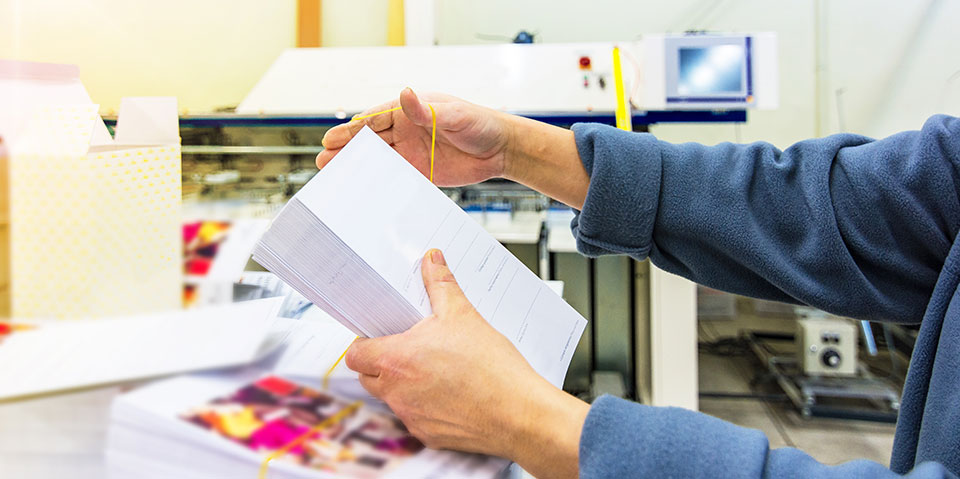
x: 827, y: 347
x: 820, y: 373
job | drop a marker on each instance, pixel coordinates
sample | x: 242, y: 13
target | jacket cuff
x: 624, y: 439
x: 621, y: 204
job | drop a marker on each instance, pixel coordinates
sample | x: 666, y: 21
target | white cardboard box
x: 94, y: 221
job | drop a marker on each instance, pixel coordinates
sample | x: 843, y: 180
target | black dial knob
x: 830, y: 358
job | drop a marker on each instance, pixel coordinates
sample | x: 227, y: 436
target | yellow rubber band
x: 433, y: 134
x: 433, y: 138
x: 326, y: 377
x: 339, y: 416
x: 364, y: 117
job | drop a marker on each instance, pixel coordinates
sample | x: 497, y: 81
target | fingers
x: 442, y: 288
x: 363, y: 356
x: 325, y: 156
x: 450, y: 116
x: 339, y: 135
x: 371, y: 384
x: 376, y: 109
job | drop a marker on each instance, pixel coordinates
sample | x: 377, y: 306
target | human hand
x: 457, y: 383
x: 472, y: 140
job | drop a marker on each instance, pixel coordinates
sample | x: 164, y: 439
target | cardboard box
x: 94, y: 221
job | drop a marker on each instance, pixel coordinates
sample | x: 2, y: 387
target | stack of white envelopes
x: 353, y: 238
x: 340, y: 281
x: 59, y: 355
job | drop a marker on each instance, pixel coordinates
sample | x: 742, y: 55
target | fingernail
x: 437, y: 257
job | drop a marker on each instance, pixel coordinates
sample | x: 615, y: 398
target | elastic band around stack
x: 326, y: 377
x: 330, y: 421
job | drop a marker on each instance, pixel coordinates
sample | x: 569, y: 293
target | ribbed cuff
x: 621, y: 204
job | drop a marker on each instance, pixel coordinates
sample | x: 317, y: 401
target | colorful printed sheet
x: 271, y: 412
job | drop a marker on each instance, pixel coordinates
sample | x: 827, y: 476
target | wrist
x: 545, y: 158
x: 523, y: 150
x: 545, y: 431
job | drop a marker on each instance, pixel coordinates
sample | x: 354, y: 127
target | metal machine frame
x: 807, y: 393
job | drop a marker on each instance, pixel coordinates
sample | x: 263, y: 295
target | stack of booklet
x: 225, y: 425
x: 351, y: 241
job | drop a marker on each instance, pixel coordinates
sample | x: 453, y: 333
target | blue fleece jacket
x: 858, y: 227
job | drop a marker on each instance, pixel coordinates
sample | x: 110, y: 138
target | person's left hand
x: 457, y: 383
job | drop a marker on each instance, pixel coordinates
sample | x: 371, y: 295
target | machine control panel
x: 827, y: 347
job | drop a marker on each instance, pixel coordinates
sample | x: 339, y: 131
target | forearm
x: 847, y: 224
x: 544, y: 157
x: 544, y: 435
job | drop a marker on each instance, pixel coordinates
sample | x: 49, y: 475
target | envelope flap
x: 148, y: 121
x: 58, y: 130
x: 101, y: 135
x: 27, y: 86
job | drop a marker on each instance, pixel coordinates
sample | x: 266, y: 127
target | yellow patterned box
x: 95, y: 221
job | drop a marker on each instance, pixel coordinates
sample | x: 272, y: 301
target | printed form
x: 391, y: 215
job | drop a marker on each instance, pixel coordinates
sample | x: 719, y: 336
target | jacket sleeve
x: 851, y: 225
x: 679, y: 443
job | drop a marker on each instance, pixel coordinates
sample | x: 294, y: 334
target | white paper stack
x: 223, y: 425
x: 65, y: 354
x: 352, y: 239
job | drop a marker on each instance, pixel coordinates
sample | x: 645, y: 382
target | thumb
x: 449, y: 115
x: 445, y: 294
x: 414, y: 109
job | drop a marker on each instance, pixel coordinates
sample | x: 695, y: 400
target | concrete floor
x: 831, y: 441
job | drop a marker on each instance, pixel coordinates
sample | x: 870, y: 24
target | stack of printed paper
x: 352, y: 239
x: 226, y: 425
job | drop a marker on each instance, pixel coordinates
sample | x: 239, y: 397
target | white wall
x: 208, y: 53
x: 354, y: 23
x: 891, y: 62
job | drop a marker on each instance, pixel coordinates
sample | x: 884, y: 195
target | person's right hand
x: 472, y: 141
